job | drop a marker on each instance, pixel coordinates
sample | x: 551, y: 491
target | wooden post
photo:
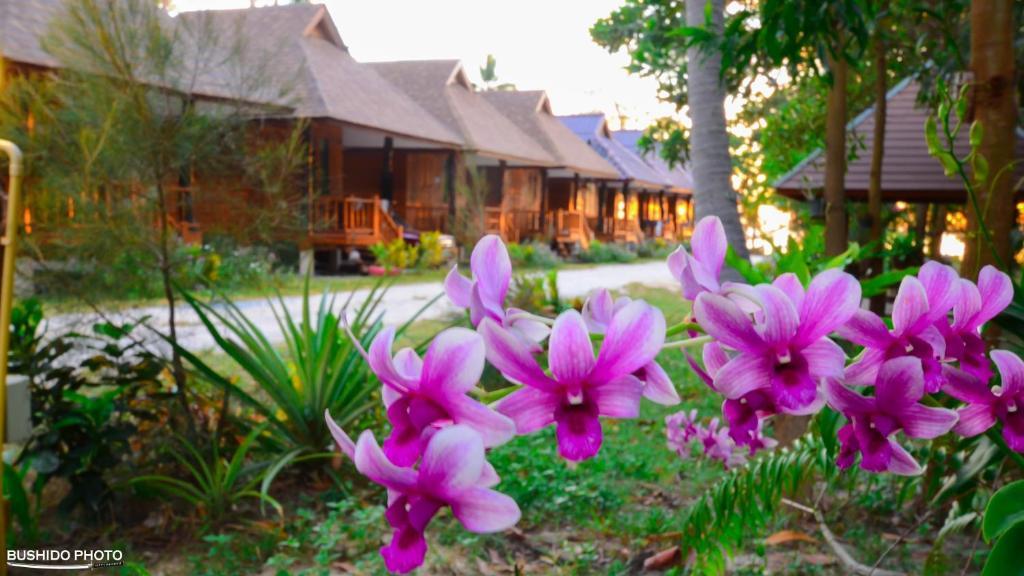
x: 601, y: 206
x: 387, y: 176
x: 450, y: 187
x: 545, y: 202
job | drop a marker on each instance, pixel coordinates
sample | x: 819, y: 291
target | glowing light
x: 951, y: 246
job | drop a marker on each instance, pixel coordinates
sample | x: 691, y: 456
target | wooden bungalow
x: 909, y: 173
x: 569, y: 210
x: 618, y: 202
x: 673, y: 206
x: 509, y: 165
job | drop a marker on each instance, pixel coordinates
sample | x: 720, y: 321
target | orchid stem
x: 683, y: 327
x: 689, y: 343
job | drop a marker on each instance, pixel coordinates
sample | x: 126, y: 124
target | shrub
x: 656, y: 248
x: 431, y: 251
x: 396, y: 255
x: 600, y: 253
x: 533, y: 255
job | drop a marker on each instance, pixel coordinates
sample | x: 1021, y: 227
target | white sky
x: 538, y: 44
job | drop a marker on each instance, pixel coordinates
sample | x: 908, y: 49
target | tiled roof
x: 441, y: 87
x: 678, y: 175
x: 23, y: 24
x: 531, y: 112
x: 909, y: 173
x: 593, y: 129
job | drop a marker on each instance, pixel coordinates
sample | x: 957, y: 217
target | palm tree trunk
x: 711, y: 163
x: 836, y: 225
x: 992, y: 63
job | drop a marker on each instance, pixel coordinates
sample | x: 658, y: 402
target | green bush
x: 396, y: 255
x: 601, y: 253
x: 656, y: 248
x: 533, y: 255
x: 431, y: 252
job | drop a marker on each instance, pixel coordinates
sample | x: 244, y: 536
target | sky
x: 538, y: 44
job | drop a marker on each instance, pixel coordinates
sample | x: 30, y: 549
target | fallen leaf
x: 663, y: 559
x: 787, y: 536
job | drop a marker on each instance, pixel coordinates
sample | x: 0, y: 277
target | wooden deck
x: 571, y: 229
x: 351, y: 222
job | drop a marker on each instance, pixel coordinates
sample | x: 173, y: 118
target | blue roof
x: 593, y: 129
x: 678, y: 176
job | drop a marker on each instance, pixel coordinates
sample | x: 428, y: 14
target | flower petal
x: 996, y: 293
x: 714, y: 358
x: 529, y: 408
x: 483, y: 511
x: 900, y: 384
x: 372, y: 463
x: 926, y: 422
x: 453, y: 363
x: 901, y: 462
x: 1011, y: 369
x: 658, y: 387
x: 910, y: 309
x: 344, y: 442
x: 511, y: 356
x: 864, y: 371
x: 494, y: 428
x: 578, y: 432
x: 570, y: 352
x: 383, y: 364
x: 745, y: 372
x: 844, y: 400
x: 780, y: 317
x: 941, y: 287
x: 492, y: 270
x: 867, y: 329
x: 966, y: 387
x: 966, y: 307
x: 975, y: 419
x: 831, y: 299
x: 598, y: 311
x: 633, y: 340
x: 824, y: 358
x: 709, y: 244
x: 791, y: 287
x: 458, y: 288
x: 723, y: 319
x: 618, y: 398
x: 409, y: 364
x: 452, y: 461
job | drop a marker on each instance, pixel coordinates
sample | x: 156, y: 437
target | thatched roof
x: 909, y: 173
x: 442, y: 87
x: 531, y: 112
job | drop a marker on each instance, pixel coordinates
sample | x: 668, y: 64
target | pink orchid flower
x: 453, y: 473
x: 422, y: 395
x: 581, y: 388
x: 718, y: 445
x: 745, y: 414
x: 895, y: 406
x: 784, y: 350
x: 920, y: 303
x: 681, y: 429
x: 1004, y: 403
x: 598, y: 311
x: 485, y: 294
x: 700, y: 272
x: 976, y: 305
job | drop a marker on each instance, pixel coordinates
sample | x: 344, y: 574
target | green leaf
x: 878, y: 284
x: 980, y: 166
x: 744, y: 267
x: 931, y: 136
x: 949, y: 163
x: 1004, y: 510
x: 961, y: 102
x: 976, y: 134
x: 1005, y: 559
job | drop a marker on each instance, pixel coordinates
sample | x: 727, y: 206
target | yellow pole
x: 6, y: 301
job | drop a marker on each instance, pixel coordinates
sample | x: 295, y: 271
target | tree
x: 117, y: 133
x: 689, y: 77
x: 995, y: 111
x: 489, y: 75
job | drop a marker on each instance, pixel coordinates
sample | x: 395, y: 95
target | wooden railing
x: 521, y: 224
x: 353, y: 220
x: 427, y: 217
x: 494, y: 220
x: 571, y: 227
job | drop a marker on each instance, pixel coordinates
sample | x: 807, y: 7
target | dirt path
x: 399, y: 304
